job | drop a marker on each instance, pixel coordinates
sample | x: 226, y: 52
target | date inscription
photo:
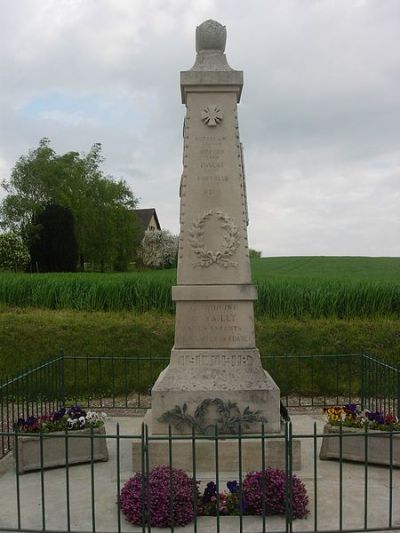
x: 217, y: 360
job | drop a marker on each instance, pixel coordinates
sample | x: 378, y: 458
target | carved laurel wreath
x: 231, y: 241
x: 228, y: 418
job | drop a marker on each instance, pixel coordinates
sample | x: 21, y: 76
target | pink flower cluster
x: 156, y: 500
x: 272, y: 482
x: 162, y: 502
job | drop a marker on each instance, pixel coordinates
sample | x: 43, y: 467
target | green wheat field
x: 316, y: 287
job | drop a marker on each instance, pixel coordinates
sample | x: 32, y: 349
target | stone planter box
x: 353, y: 446
x: 79, y: 449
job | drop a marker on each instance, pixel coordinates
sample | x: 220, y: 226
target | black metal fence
x: 380, y: 385
x: 114, y: 382
x: 343, y: 496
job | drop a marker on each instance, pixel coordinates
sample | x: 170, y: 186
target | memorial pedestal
x: 228, y: 453
x: 235, y: 377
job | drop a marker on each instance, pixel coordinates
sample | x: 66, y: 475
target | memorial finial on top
x: 211, y: 68
x: 210, y: 35
x: 210, y: 47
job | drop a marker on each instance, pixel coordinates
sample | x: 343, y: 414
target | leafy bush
x: 254, y: 253
x: 273, y: 481
x: 14, y: 254
x: 154, y: 499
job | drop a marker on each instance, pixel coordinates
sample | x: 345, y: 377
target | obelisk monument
x: 215, y: 376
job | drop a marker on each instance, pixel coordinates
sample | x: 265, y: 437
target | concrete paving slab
x: 325, y: 486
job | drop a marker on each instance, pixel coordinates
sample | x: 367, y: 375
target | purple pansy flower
x: 233, y: 486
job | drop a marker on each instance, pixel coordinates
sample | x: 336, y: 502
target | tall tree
x: 54, y: 248
x: 101, y: 205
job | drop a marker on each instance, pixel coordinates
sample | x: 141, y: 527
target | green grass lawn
x: 306, y: 305
x: 29, y: 336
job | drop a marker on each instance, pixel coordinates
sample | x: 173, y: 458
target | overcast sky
x: 319, y: 116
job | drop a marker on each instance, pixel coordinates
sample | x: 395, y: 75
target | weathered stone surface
x: 353, y: 446
x: 214, y: 316
x: 213, y: 246
x: 214, y: 292
x: 214, y: 359
x: 230, y: 375
x: 210, y: 35
x: 228, y: 455
x: 211, y: 72
x: 79, y: 449
x: 210, y: 370
x: 223, y: 324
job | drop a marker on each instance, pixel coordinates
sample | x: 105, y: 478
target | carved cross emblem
x: 212, y: 115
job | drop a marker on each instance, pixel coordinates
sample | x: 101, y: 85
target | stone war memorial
x: 217, y: 451
x: 215, y: 381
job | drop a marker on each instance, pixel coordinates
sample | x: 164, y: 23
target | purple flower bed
x: 274, y: 481
x: 152, y: 499
x: 73, y: 418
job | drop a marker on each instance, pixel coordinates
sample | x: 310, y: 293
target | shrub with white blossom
x: 159, y: 249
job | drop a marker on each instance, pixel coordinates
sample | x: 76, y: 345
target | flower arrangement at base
x: 274, y: 482
x: 248, y: 500
x: 371, y: 437
x: 148, y: 501
x: 73, y: 418
x: 155, y: 499
x: 350, y: 415
x: 45, y: 441
x: 227, y: 503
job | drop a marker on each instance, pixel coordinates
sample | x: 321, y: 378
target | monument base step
x: 230, y: 376
x: 205, y: 453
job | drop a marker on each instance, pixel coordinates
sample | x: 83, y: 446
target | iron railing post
x: 143, y: 484
x: 147, y: 477
x: 398, y: 392
x: 118, y: 466
x: 62, y: 364
x: 287, y: 511
x: 362, y: 385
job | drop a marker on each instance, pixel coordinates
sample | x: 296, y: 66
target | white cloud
x: 320, y: 112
